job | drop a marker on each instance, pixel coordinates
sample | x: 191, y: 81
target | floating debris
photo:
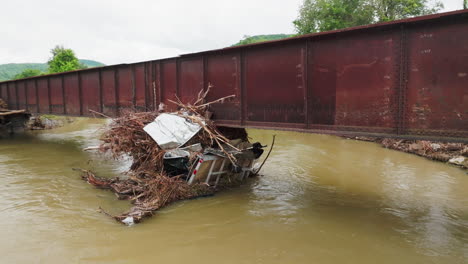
x: 45, y: 122
x: 175, y: 156
x: 147, y: 191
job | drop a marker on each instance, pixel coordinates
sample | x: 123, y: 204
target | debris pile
x: 44, y: 122
x: 11, y: 121
x: 175, y: 156
x: 453, y: 153
x: 148, y: 192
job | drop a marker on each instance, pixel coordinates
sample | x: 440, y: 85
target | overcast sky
x: 116, y: 31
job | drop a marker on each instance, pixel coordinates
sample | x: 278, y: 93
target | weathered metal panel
x: 367, y: 82
x: 168, y: 83
x: 437, y: 99
x: 4, y: 92
x: 190, y: 78
x: 223, y: 74
x: 20, y: 89
x: 125, y: 87
x: 91, y: 94
x: 72, y: 94
x: 274, y: 84
x: 322, y: 57
x: 12, y: 96
x: 154, y: 85
x: 109, y: 91
x: 31, y: 95
x: 56, y: 95
x: 140, y: 86
x: 43, y: 94
x: 151, y: 85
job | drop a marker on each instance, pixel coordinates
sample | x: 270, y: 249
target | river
x: 321, y: 199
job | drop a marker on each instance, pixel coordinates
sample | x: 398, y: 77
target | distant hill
x: 92, y: 64
x: 261, y: 38
x: 8, y: 71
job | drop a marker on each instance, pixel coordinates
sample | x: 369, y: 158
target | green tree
x: 28, y: 73
x: 323, y: 15
x: 465, y: 4
x: 63, y: 60
x: 388, y: 10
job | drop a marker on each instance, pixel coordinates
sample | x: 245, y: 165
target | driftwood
x: 12, y: 112
x: 148, y: 192
x: 268, y: 155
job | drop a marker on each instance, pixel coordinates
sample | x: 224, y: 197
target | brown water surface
x: 322, y: 199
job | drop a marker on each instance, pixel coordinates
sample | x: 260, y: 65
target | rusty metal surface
x: 366, y: 82
x: 21, y: 90
x: 321, y: 73
x: 437, y: 99
x: 168, y: 82
x: 43, y: 95
x: 56, y: 95
x: 72, y: 92
x: 151, y: 73
x: 31, y: 97
x: 12, y: 98
x: 109, y: 93
x: 3, y: 92
x: 223, y: 73
x: 279, y: 73
x: 404, y: 78
x: 140, y: 86
x: 125, y: 86
x: 91, y: 99
x: 190, y: 78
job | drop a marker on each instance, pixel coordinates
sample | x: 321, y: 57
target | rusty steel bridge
x: 406, y: 78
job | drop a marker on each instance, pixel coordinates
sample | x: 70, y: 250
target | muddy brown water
x: 322, y: 199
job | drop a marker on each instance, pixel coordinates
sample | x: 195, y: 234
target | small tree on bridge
x: 63, y: 60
